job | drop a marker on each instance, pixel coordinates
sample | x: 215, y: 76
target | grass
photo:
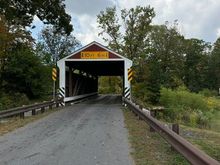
x: 13, y: 123
x: 206, y: 140
x: 215, y: 123
x: 149, y: 148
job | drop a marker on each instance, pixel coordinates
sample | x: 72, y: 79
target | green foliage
x: 161, y: 54
x: 186, y: 107
x: 53, y: 45
x: 137, y: 28
x: 215, y: 125
x: 136, y: 24
x: 24, y: 73
x: 140, y: 92
x: 110, y: 84
x: 196, y: 69
x: 133, y: 43
x: 209, y: 147
x: 109, y: 23
x: 10, y: 36
x: 166, y: 55
x: 214, y: 66
x: 11, y: 100
x: 208, y: 93
x: 22, y: 13
x: 153, y: 82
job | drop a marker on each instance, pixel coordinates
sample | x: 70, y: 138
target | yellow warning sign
x: 94, y: 55
x: 54, y: 74
x: 130, y: 75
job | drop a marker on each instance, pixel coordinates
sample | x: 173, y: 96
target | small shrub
x: 204, y: 119
x: 208, y: 93
x: 5, y: 102
x: 186, y: 107
x: 12, y: 100
x: 193, y: 119
x: 141, y: 93
x: 213, y: 103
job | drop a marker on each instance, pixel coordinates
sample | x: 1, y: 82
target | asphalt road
x: 90, y: 133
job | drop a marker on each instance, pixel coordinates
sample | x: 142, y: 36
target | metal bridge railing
x: 190, y: 152
x: 21, y: 110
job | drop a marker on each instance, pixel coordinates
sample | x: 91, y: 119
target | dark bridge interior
x: 99, y: 68
x: 82, y: 76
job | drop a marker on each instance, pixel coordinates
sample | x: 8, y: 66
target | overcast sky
x: 197, y: 18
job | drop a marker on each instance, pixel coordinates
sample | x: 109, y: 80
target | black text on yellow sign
x: 130, y: 75
x: 94, y: 55
x: 54, y: 74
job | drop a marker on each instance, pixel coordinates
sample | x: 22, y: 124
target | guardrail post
x: 135, y: 112
x: 22, y: 115
x: 42, y: 109
x: 140, y: 107
x: 175, y: 128
x: 57, y: 104
x: 153, y: 114
x: 50, y: 106
x: 33, y: 112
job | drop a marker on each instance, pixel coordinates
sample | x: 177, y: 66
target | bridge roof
x: 96, y: 48
x: 96, y: 59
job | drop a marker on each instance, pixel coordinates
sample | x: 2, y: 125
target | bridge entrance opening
x: 79, y: 73
x: 110, y: 85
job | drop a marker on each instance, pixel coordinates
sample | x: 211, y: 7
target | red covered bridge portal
x: 79, y: 72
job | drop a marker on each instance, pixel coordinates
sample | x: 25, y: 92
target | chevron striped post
x: 130, y: 74
x: 127, y: 93
x: 54, y: 78
x: 61, y: 95
x: 130, y: 78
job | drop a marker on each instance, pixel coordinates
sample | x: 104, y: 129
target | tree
x: 109, y: 24
x: 10, y: 36
x: 24, y: 73
x: 163, y: 62
x: 128, y: 34
x: 22, y: 12
x: 137, y: 28
x: 167, y: 51
x: 132, y: 43
x: 54, y: 45
x: 196, y: 76
x: 21, y: 70
x: 215, y: 66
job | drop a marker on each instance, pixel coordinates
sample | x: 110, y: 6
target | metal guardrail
x: 21, y: 110
x: 190, y: 152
